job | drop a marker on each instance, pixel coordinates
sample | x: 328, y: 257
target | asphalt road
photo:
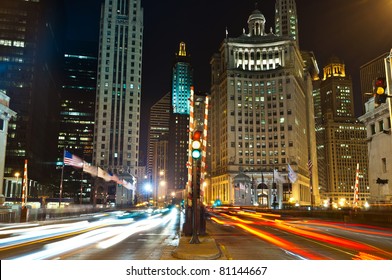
x: 106, y: 237
x: 239, y: 235
x: 252, y: 236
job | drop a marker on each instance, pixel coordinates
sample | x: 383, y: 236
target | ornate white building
x: 262, y: 118
x: 379, y: 138
x: 5, y: 115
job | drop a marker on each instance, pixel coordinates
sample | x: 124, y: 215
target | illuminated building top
x: 256, y: 23
x: 182, y: 51
x: 334, y: 69
x: 182, y: 80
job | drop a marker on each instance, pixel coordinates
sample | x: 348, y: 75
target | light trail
x: 103, y: 237
x: 288, y: 246
x: 364, y: 251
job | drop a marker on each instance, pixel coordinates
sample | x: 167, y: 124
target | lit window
x: 20, y: 44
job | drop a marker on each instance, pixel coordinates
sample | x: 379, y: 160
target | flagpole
x: 81, y: 189
x: 61, y: 180
x: 262, y: 188
x: 356, y: 188
x: 310, y: 166
x: 256, y: 202
x: 269, y: 202
x: 24, y: 210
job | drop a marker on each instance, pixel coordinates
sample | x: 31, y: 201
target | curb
x: 207, y: 249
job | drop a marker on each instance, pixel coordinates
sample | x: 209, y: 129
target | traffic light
x: 380, y: 96
x: 196, y: 144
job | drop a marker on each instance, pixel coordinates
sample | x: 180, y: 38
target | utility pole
x: 196, y: 155
x: 388, y: 74
x: 195, y: 194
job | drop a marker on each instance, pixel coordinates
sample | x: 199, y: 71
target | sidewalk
x: 207, y: 249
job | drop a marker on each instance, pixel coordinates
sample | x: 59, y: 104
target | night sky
x: 354, y: 30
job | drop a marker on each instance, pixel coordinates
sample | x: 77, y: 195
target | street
x: 105, y: 237
x: 262, y: 236
x: 240, y: 235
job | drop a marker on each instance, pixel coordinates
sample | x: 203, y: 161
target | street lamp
x: 162, y: 187
x: 17, y: 174
x: 159, y: 185
x: 148, y: 189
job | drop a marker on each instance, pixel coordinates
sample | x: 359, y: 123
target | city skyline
x: 168, y: 24
x: 323, y: 29
x: 188, y: 27
x: 266, y: 158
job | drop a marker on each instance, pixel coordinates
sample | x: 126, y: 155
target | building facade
x: 342, y: 139
x: 377, y: 120
x: 379, y: 144
x: 158, y: 145
x: 286, y: 21
x: 182, y: 80
x: 77, y: 107
x: 261, y: 104
x: 30, y: 59
x: 5, y: 115
x: 119, y: 80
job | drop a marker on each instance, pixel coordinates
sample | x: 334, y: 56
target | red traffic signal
x: 196, y: 135
x: 196, y: 144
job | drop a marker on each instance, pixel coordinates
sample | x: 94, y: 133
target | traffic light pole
x: 388, y: 74
x: 195, y: 191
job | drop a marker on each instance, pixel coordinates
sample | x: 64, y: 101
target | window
x: 381, y: 125
x: 373, y: 128
x: 384, y: 165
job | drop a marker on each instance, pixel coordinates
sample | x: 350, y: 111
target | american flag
x: 70, y: 159
x: 91, y: 169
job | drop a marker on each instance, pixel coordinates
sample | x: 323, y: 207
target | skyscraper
x: 158, y: 126
x: 30, y: 68
x: 158, y: 142
x: 286, y: 21
x: 117, y: 119
x: 182, y: 79
x: 76, y: 129
x: 343, y: 142
x: 261, y: 104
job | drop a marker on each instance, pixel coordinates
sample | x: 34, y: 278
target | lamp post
x: 160, y: 184
x: 148, y: 189
x: 173, y: 195
x: 17, y: 174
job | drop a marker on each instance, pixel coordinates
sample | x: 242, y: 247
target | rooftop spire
x: 182, y: 51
